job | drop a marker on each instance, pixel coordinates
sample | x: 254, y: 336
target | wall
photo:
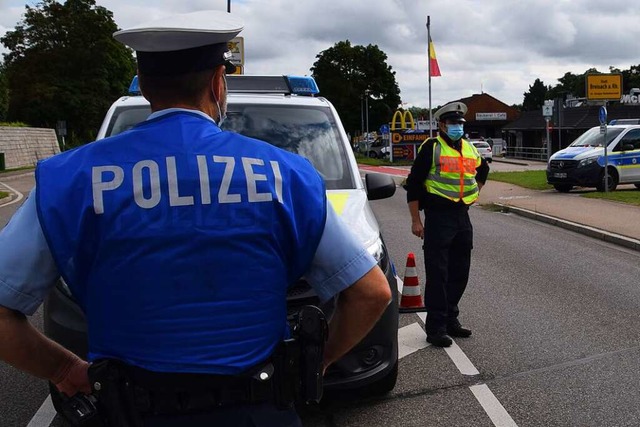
x: 25, y: 146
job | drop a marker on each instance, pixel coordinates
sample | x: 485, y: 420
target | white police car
x: 582, y: 162
x: 274, y: 109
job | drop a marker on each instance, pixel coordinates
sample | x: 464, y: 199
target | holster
x: 115, y: 394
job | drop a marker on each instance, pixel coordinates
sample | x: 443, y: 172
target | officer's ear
x: 140, y: 85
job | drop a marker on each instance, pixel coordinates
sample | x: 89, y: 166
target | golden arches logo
x: 406, y: 118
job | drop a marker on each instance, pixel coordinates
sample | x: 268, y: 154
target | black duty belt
x: 175, y: 393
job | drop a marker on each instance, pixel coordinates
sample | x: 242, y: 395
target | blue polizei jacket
x: 179, y: 241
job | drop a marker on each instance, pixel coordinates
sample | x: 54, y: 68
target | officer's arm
x: 415, y: 186
x: 27, y: 349
x: 359, y: 308
x: 419, y: 172
x: 482, y: 172
x: 27, y: 274
x: 342, y: 267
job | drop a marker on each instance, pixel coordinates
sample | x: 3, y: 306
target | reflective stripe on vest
x: 452, y: 173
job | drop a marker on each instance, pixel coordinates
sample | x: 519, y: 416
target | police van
x: 285, y: 112
x: 582, y: 163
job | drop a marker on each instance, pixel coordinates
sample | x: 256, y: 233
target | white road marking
x: 494, y: 409
x: 411, y: 338
x: 45, y: 415
x: 461, y: 360
x: 20, y: 195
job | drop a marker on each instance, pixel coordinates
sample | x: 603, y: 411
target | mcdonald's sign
x: 406, y: 118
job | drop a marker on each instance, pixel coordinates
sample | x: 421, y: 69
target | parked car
x: 484, y: 149
x: 376, y: 149
x: 582, y: 163
x: 259, y: 107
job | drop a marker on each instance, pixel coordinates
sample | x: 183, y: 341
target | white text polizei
x: 154, y: 193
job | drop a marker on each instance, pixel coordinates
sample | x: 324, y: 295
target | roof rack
x: 287, y: 85
x: 624, y: 122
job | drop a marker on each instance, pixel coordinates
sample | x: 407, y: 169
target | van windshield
x: 308, y: 131
x: 311, y: 132
x: 593, y: 138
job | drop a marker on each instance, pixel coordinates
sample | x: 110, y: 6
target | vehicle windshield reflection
x: 593, y: 138
x: 307, y: 131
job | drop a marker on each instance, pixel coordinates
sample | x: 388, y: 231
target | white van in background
x: 582, y: 162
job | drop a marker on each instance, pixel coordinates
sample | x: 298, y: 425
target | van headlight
x: 379, y: 252
x: 586, y: 162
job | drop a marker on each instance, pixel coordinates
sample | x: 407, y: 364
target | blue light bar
x: 134, y: 87
x: 303, y: 85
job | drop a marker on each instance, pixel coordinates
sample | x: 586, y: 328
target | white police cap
x: 182, y: 43
x: 453, y: 110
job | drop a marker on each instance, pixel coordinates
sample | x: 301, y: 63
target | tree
x: 534, y: 99
x: 63, y: 64
x: 4, y: 94
x: 630, y: 77
x: 347, y: 74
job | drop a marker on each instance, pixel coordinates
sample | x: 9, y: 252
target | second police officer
x: 184, y: 293
x: 445, y: 179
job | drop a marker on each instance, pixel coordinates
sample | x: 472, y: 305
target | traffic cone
x: 411, y: 294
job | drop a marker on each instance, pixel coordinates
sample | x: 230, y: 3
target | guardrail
x: 527, y: 153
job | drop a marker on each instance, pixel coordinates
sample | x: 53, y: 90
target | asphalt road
x: 555, y: 321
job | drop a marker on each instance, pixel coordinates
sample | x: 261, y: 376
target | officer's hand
x: 76, y: 379
x: 417, y: 229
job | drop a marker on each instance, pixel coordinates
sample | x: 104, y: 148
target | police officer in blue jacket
x: 179, y: 240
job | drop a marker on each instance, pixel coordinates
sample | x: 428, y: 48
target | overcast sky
x: 494, y: 46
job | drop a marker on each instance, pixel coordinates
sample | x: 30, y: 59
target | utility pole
x: 366, y: 107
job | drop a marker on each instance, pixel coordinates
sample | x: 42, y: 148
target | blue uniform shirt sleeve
x: 340, y: 259
x: 27, y: 269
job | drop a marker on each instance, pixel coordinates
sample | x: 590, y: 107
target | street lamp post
x: 366, y: 107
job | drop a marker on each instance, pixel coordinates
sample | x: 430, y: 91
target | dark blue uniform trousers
x: 257, y: 415
x: 448, y: 240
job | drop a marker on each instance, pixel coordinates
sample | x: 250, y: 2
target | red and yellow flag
x: 433, y: 62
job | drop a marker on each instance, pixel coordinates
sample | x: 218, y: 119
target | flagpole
x: 429, y: 73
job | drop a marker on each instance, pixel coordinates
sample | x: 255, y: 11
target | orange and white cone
x: 411, y: 294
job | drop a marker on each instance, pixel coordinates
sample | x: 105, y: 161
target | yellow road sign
x: 604, y: 87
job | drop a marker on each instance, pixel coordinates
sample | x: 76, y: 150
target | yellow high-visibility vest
x: 453, y: 173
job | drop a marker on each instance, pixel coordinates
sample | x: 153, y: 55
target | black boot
x: 439, y: 339
x: 455, y: 329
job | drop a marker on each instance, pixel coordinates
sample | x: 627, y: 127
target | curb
x: 586, y: 230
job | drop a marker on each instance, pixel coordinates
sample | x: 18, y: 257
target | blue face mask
x: 455, y: 131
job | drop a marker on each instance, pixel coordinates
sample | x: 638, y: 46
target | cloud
x: 496, y: 46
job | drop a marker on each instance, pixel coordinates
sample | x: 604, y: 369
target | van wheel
x: 613, y: 181
x: 563, y: 188
x: 373, y: 154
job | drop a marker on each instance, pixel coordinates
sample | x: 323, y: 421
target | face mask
x: 455, y: 132
x: 222, y: 113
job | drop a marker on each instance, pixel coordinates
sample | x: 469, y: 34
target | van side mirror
x: 379, y: 186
